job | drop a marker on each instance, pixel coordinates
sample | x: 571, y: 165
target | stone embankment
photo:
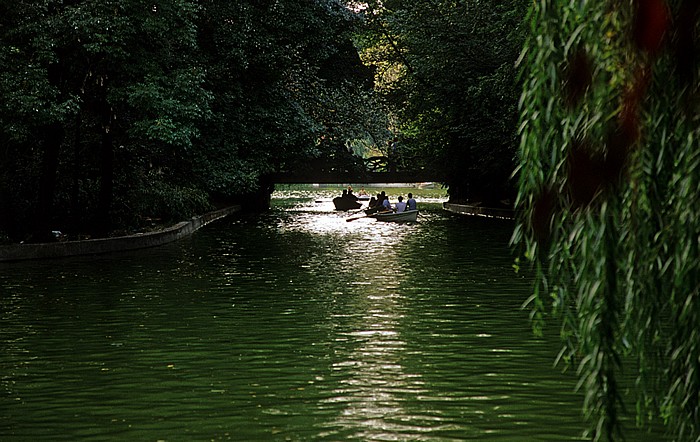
x: 19, y: 252
x: 492, y: 212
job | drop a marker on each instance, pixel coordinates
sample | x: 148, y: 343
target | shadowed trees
x: 114, y: 113
x: 446, y: 70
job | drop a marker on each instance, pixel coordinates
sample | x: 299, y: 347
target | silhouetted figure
x: 400, y: 206
x: 411, y: 203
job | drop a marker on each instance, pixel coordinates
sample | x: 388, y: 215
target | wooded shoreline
x: 492, y: 212
x: 22, y: 252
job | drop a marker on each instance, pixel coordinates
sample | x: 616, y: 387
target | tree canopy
x: 115, y: 112
x: 446, y: 70
x: 608, y: 192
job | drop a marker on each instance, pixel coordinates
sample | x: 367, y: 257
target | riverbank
x: 493, y: 212
x: 21, y: 252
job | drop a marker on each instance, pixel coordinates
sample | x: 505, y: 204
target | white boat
x: 405, y: 216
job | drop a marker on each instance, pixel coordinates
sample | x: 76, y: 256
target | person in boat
x: 382, y: 196
x: 374, y: 204
x: 363, y: 191
x: 377, y: 201
x: 386, y: 205
x: 400, y: 206
x: 347, y: 194
x: 411, y: 203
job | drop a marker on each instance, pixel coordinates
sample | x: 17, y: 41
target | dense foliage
x: 115, y: 112
x: 609, y: 196
x: 447, y: 72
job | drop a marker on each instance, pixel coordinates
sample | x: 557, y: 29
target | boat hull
x: 405, y: 216
x: 345, y: 203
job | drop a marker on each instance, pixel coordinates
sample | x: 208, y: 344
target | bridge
x: 322, y: 177
x: 372, y: 170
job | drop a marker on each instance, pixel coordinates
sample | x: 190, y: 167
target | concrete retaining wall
x: 464, y: 209
x: 19, y: 252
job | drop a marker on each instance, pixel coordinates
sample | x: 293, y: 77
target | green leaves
x: 188, y: 97
x: 288, y: 89
x: 606, y: 130
x: 446, y: 72
x: 171, y: 108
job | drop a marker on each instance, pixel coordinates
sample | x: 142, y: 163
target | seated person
x: 386, y: 205
x: 400, y: 206
x: 411, y: 202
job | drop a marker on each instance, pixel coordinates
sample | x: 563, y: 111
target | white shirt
x: 400, y: 206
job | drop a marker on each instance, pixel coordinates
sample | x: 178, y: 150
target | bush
x: 169, y: 202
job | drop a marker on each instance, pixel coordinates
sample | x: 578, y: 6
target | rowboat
x: 405, y: 216
x: 345, y: 203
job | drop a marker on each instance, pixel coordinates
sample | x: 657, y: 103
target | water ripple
x: 294, y: 325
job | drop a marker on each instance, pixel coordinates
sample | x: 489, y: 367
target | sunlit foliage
x: 609, y: 194
x: 447, y: 71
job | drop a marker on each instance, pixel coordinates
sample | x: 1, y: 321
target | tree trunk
x: 103, y: 221
x: 52, y: 140
x: 75, y: 215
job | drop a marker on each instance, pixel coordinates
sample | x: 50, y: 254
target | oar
x: 353, y: 218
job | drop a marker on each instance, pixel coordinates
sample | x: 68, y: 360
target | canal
x: 291, y: 325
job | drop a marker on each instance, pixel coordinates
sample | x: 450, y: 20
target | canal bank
x: 475, y: 210
x: 21, y: 252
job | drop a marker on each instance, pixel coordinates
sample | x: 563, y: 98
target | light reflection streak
x: 373, y: 383
x: 291, y: 325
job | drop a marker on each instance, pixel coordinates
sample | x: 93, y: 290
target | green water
x: 292, y: 325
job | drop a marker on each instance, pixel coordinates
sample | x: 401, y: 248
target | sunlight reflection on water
x: 290, y: 325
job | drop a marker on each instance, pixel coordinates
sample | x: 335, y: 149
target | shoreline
x: 56, y: 250
x: 490, y: 212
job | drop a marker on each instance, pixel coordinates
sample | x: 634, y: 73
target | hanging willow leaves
x: 609, y: 191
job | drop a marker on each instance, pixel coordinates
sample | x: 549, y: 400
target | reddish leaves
x: 577, y: 77
x: 542, y: 212
x: 585, y: 173
x: 627, y: 133
x: 590, y: 171
x: 651, y: 23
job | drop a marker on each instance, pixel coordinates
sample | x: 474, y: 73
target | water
x: 293, y: 325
